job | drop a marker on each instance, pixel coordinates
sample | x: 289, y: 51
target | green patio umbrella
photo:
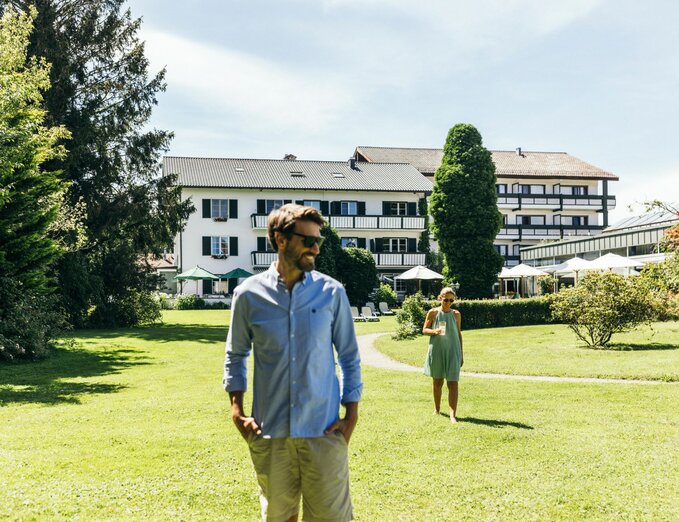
x: 195, y: 274
x: 236, y: 273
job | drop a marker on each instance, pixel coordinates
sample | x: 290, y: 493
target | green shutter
x: 207, y: 245
x: 233, y: 246
x: 207, y: 208
x: 233, y: 209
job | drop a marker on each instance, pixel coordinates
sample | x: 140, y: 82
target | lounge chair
x: 384, y: 308
x: 355, y: 315
x: 372, y: 307
x: 368, y: 314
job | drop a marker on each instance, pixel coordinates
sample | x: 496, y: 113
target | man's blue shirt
x: 296, y: 391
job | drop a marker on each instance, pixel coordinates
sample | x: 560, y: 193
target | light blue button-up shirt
x: 296, y: 391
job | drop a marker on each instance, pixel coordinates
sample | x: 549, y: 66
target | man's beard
x: 304, y: 262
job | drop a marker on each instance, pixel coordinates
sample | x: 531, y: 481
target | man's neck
x: 289, y: 274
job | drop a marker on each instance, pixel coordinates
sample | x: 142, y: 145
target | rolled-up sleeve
x: 348, y: 357
x: 238, y: 346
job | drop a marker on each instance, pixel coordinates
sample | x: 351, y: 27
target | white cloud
x: 257, y: 93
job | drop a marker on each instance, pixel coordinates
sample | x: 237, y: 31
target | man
x: 291, y: 316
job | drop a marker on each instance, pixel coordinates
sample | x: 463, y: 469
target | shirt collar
x: 274, y: 276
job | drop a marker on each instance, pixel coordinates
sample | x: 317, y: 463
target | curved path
x: 371, y: 357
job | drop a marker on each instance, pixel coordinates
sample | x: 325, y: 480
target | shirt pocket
x: 319, y: 320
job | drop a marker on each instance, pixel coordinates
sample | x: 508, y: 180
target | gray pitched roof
x: 295, y: 174
x: 508, y: 164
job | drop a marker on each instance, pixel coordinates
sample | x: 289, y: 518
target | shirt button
x: 292, y: 405
x: 294, y: 358
x: 292, y: 335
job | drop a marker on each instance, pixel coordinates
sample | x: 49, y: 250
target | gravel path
x: 371, y: 357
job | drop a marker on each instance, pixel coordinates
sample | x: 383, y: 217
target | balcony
x: 554, y: 202
x: 539, y: 232
x: 382, y: 259
x: 359, y: 222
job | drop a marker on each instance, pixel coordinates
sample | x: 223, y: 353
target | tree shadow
x: 642, y: 346
x: 200, y: 333
x: 47, y: 382
x: 493, y: 423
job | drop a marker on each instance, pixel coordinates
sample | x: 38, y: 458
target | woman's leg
x: 437, y: 386
x: 452, y: 400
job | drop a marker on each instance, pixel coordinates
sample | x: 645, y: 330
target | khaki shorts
x: 317, y: 469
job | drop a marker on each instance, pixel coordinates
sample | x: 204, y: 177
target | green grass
x: 133, y: 425
x: 646, y: 353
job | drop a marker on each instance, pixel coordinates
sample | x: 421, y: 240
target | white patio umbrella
x: 419, y: 272
x: 575, y: 265
x: 610, y: 261
x: 520, y: 271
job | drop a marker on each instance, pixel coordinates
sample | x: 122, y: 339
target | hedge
x: 493, y: 313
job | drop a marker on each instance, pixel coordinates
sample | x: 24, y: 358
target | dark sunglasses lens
x: 309, y: 241
x: 448, y: 300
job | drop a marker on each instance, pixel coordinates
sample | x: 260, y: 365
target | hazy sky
x: 316, y: 78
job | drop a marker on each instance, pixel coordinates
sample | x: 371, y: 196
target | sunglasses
x: 309, y: 241
x: 448, y: 300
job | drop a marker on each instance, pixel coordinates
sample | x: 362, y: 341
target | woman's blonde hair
x: 445, y: 291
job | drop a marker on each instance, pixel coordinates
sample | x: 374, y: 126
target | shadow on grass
x: 642, y: 346
x: 495, y: 423
x: 46, y: 382
x: 199, y: 333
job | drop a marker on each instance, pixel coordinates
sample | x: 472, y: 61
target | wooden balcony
x: 537, y: 232
x: 382, y: 259
x: 554, y: 202
x: 259, y: 221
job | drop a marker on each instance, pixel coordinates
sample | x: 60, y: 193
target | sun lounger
x: 372, y: 307
x: 355, y: 315
x: 384, y: 308
x: 368, y: 314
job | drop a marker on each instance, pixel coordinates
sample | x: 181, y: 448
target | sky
x: 598, y: 79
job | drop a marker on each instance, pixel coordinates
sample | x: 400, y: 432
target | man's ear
x: 280, y: 239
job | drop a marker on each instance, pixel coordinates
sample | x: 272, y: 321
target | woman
x: 445, y: 357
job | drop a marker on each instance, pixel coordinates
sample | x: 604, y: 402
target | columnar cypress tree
x: 29, y: 195
x: 463, y: 206
x: 103, y: 93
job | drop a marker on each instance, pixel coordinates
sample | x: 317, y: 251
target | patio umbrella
x: 524, y: 270
x: 574, y: 264
x: 610, y: 261
x: 419, y: 272
x: 236, y: 273
x: 195, y: 274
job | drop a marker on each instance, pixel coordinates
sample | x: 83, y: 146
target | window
x: 532, y: 189
x: 272, y: 204
x: 579, y: 221
x: 395, y: 244
x: 530, y: 220
x: 516, y: 250
x: 501, y: 249
x: 349, y: 208
x: 349, y: 242
x: 312, y: 203
x: 501, y: 188
x: 219, y: 246
x: 219, y: 208
x: 574, y: 190
x: 504, y: 219
x: 398, y: 208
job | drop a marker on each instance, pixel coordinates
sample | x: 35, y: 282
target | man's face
x: 294, y: 251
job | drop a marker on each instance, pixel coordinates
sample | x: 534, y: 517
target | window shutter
x: 412, y: 209
x: 261, y: 206
x: 324, y: 208
x: 233, y: 209
x: 378, y: 244
x: 335, y: 208
x: 299, y: 202
x: 261, y: 244
x: 207, y: 286
x: 361, y: 242
x: 207, y: 208
x: 386, y: 208
x: 233, y: 246
x: 412, y: 244
x: 361, y: 208
x: 372, y: 245
x: 207, y: 245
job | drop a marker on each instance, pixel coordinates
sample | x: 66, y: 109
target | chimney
x: 290, y: 157
x: 352, y: 163
x: 518, y: 151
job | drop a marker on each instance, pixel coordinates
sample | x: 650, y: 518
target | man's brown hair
x: 283, y: 220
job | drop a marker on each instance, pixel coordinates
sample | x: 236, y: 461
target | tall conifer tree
x: 103, y: 93
x: 463, y: 206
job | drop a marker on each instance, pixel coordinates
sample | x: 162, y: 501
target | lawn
x: 647, y: 353
x: 133, y: 425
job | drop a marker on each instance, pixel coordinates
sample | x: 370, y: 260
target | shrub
x: 604, y: 303
x: 189, y: 302
x: 496, y: 313
x: 410, y: 317
x: 358, y: 273
x: 134, y: 308
x: 385, y: 293
x: 547, y: 284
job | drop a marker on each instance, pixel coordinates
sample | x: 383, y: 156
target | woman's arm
x: 458, y: 319
x: 428, y: 321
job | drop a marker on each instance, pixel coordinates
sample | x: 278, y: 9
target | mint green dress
x: 444, y: 355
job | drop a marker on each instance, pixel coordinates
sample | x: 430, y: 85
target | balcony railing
x: 554, y: 201
x: 518, y: 232
x: 382, y: 259
x: 360, y: 222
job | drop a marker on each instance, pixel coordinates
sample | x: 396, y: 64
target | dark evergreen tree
x: 331, y: 251
x: 103, y: 93
x: 463, y: 206
x: 358, y: 273
x: 29, y: 196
